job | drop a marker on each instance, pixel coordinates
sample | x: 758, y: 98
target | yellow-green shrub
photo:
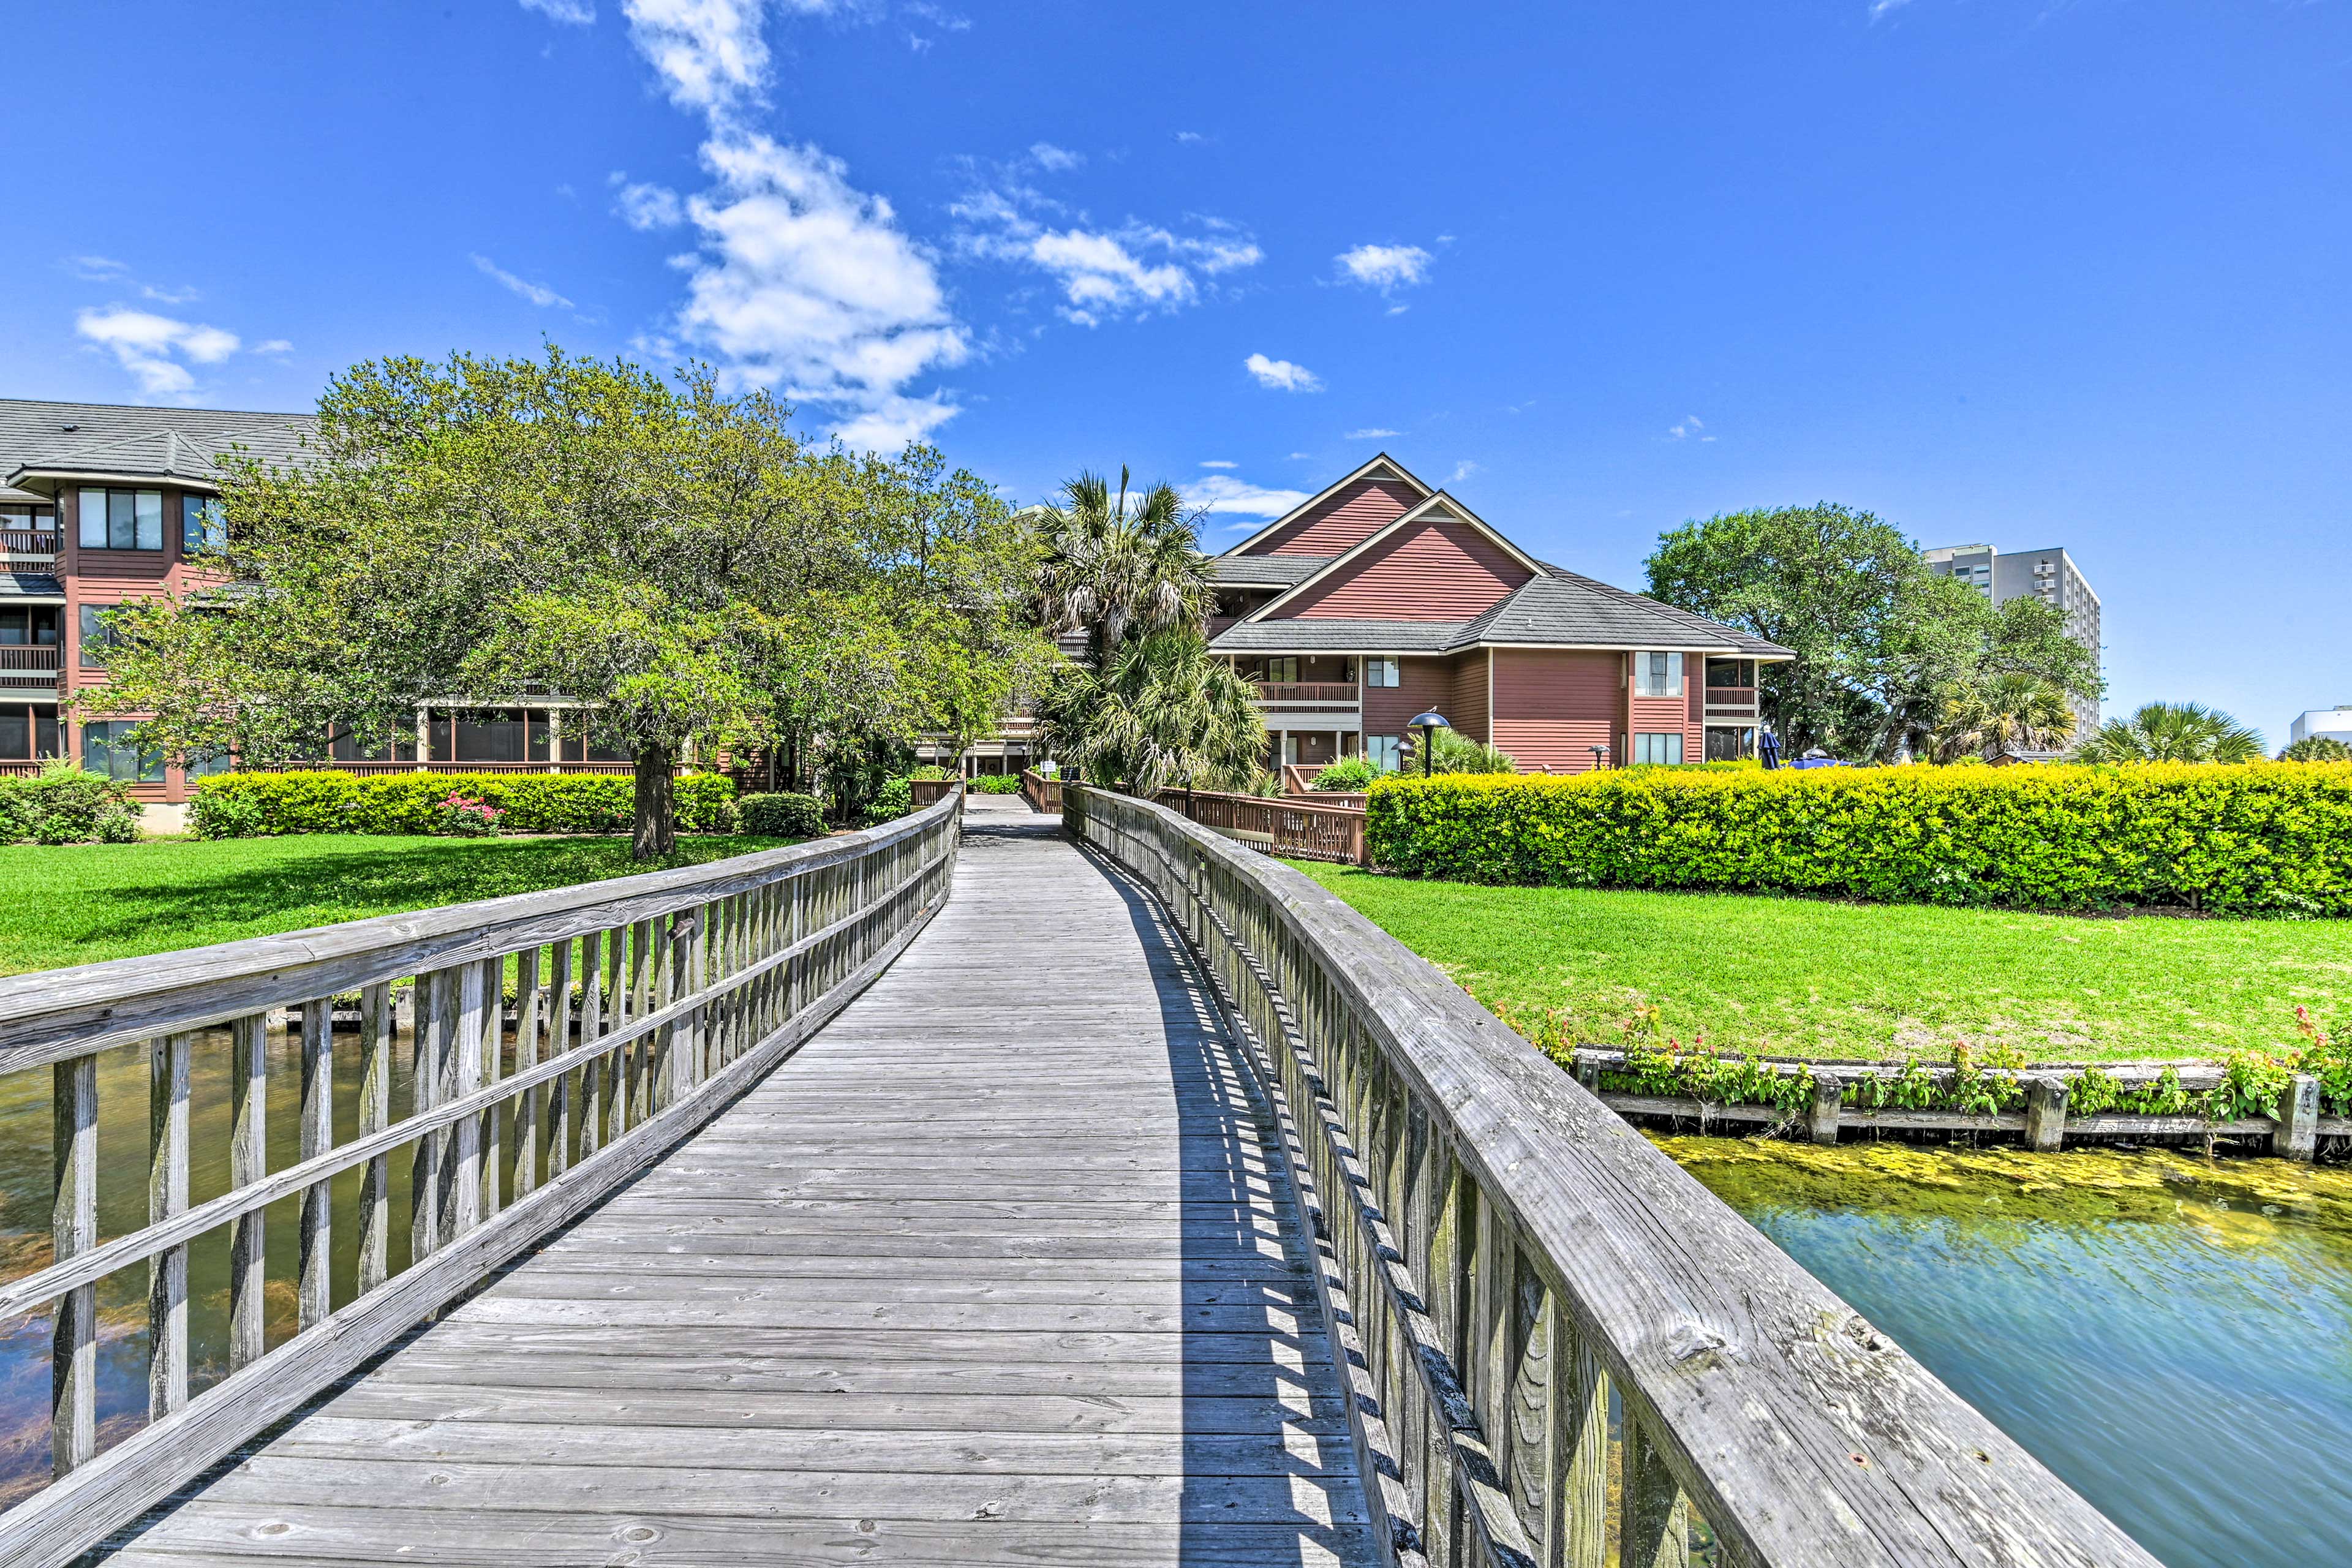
x: 2265, y: 837
x: 326, y: 800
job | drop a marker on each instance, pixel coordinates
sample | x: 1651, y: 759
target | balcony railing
x: 1731, y: 700
x: 378, y: 766
x: 1307, y: 691
x: 30, y: 547
x: 32, y: 658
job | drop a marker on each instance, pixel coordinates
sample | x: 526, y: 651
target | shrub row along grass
x: 119, y: 900
x: 239, y: 806
x: 2270, y: 838
x: 1812, y: 978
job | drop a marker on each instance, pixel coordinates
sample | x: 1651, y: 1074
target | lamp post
x: 1600, y: 758
x: 1428, y: 724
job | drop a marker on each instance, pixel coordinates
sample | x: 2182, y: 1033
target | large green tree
x: 489, y: 532
x: 1884, y: 645
x: 2171, y: 732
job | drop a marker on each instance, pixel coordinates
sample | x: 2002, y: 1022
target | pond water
x: 2172, y: 1335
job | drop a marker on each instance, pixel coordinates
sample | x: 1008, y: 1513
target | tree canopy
x: 1886, y: 646
x: 482, y: 533
x: 2171, y: 732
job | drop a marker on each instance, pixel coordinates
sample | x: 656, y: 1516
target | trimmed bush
x: 782, y: 815
x: 2257, y: 838
x: 65, y: 805
x: 997, y: 784
x: 230, y: 806
x: 1348, y: 773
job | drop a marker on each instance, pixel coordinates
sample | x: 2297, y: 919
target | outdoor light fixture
x: 1599, y: 757
x: 1426, y: 723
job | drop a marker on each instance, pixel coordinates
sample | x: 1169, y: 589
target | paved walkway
x: 994, y: 1271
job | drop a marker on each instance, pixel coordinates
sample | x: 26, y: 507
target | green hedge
x: 65, y: 805
x: 234, y: 806
x: 783, y: 815
x: 2261, y: 837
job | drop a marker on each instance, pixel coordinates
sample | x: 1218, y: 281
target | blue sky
x: 2020, y: 272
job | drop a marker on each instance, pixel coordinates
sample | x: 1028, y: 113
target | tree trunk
x: 656, y: 819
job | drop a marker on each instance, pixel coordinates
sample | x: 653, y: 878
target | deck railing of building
x: 642, y: 1006
x: 30, y: 546
x: 1341, y: 691
x: 1502, y: 1260
x: 41, y: 658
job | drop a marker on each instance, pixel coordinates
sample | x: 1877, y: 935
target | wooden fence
x: 1500, y: 1254
x: 1279, y: 825
x: 1044, y: 795
x: 643, y: 1006
x: 929, y: 792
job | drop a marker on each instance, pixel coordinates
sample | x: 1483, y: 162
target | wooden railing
x: 1307, y: 691
x: 1044, y: 795
x: 31, y: 658
x: 1285, y: 824
x: 31, y: 546
x: 379, y: 765
x: 18, y: 768
x: 929, y: 792
x: 643, y: 1006
x: 1500, y: 1253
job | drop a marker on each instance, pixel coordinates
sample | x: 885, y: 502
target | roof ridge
x: 159, y: 408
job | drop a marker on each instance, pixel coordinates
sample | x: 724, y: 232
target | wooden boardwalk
x: 995, y: 1269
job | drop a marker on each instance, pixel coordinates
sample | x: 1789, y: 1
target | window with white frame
x: 1657, y: 675
x: 1383, y: 672
x: 1665, y: 747
x: 1385, y: 752
x: 122, y: 520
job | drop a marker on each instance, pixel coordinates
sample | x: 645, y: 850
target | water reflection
x: 2172, y: 1336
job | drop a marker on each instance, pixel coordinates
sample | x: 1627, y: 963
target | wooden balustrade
x: 22, y: 768
x: 643, y: 1005
x: 929, y: 792
x: 31, y: 658
x: 1044, y: 795
x: 1502, y: 1262
x: 1327, y: 691
x: 1284, y: 825
x: 30, y: 546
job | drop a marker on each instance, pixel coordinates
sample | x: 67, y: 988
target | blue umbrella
x: 1767, y: 747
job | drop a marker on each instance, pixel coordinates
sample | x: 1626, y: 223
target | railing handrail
x: 1805, y: 1438
x: 31, y: 657
x: 710, y: 975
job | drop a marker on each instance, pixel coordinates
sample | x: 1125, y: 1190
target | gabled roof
x: 1381, y: 467
x: 53, y: 443
x: 1263, y: 571
x: 1437, y: 507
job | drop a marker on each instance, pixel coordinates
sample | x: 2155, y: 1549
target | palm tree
x: 1166, y: 714
x: 2172, y: 732
x: 2316, y: 749
x: 1113, y: 572
x: 2014, y: 711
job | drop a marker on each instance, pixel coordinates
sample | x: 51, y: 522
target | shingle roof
x: 1265, y: 570
x: 138, y: 442
x: 1556, y: 609
x: 30, y: 585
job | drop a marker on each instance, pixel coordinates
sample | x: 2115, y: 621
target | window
x: 106, y: 748
x: 96, y: 635
x: 122, y: 520
x: 1383, y: 672
x: 197, y: 767
x: 27, y: 733
x: 1659, y: 748
x: 1386, y: 751
x: 28, y: 628
x: 1730, y: 672
x: 1658, y: 675
x: 394, y: 742
x: 28, y: 519
x: 1284, y: 670
x: 204, y: 524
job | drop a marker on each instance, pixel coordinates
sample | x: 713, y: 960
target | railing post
x: 248, y: 1160
x: 73, y: 1230
x: 2297, y: 1135
x: 377, y: 1023
x: 167, y: 1195
x: 314, y: 1293
x: 559, y: 1041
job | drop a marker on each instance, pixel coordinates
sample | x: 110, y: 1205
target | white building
x: 2329, y: 723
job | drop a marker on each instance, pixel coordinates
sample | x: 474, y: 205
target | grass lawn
x: 79, y: 903
x: 1803, y: 978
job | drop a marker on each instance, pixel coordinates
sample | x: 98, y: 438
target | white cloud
x: 1218, y: 463
x: 1054, y: 158
x: 274, y: 346
x: 805, y: 283
x: 538, y: 294
x: 1308, y: 456
x: 576, y: 13
x: 1190, y: 138
x: 1385, y: 267
x: 940, y: 16
x: 799, y: 280
x: 1371, y: 432
x: 708, y: 53
x: 1881, y: 7
x: 1222, y: 492
x: 1281, y: 374
x: 1691, y: 425
x: 1462, y: 471
x: 96, y: 268
x: 1104, y: 273
x: 167, y: 296
x: 150, y: 347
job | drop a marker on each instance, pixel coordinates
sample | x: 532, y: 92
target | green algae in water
x: 2172, y: 1335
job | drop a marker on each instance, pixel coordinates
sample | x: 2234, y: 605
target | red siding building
x: 1382, y: 598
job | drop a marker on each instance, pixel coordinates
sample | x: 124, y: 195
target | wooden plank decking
x: 995, y: 1269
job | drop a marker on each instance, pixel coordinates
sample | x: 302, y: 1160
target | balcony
x: 1731, y: 703
x: 1320, y: 693
x: 23, y: 669
x: 28, y: 549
